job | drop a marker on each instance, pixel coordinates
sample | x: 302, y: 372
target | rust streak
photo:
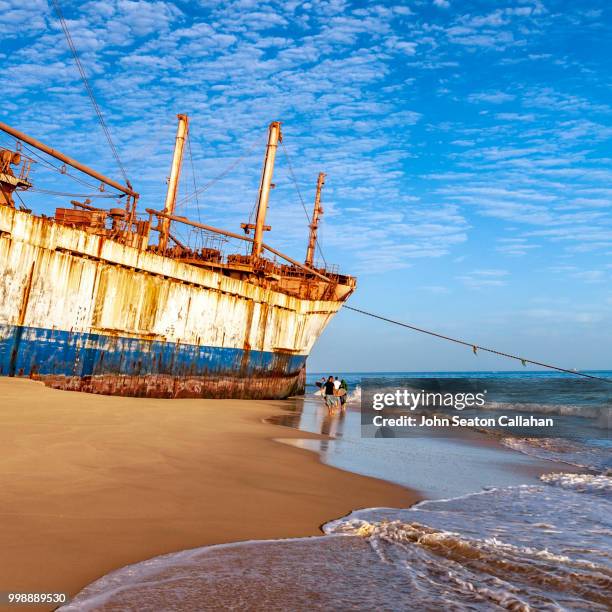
x: 26, y: 297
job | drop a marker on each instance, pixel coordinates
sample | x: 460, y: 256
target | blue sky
x: 467, y: 147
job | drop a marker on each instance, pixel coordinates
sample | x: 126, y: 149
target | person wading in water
x: 343, y: 392
x: 330, y: 398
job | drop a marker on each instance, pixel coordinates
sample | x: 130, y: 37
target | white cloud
x: 520, y: 117
x: 409, y: 48
x: 436, y: 289
x: 494, y: 97
x: 481, y: 279
x: 515, y: 247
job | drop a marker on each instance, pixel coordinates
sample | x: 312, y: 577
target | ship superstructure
x: 90, y: 301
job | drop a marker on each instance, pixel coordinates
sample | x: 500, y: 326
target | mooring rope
x: 476, y: 347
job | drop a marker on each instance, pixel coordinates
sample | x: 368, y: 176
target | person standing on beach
x: 343, y: 393
x: 330, y: 397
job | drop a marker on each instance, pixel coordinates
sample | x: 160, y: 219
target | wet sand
x: 439, y: 465
x: 92, y: 483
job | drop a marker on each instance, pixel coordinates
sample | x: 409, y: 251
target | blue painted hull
x: 116, y: 365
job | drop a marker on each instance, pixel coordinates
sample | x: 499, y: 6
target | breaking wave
x: 530, y: 547
x: 354, y: 396
x: 584, y: 483
x: 571, y: 452
x: 601, y: 414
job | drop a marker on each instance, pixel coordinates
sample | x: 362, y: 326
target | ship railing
x: 273, y: 252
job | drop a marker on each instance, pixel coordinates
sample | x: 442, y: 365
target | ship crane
x: 72, y: 162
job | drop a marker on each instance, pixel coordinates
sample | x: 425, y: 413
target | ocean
x: 493, y: 533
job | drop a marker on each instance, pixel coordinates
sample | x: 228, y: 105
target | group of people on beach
x: 334, y: 391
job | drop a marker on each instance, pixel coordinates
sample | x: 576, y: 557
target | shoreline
x: 438, y: 467
x: 92, y: 483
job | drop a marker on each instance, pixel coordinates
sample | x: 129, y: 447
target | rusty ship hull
x: 80, y: 311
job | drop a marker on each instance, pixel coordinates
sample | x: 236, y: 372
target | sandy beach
x: 91, y: 483
x: 536, y: 539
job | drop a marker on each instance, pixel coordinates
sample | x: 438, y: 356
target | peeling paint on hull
x: 112, y: 365
x: 82, y: 312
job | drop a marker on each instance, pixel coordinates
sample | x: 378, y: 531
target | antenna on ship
x: 274, y: 137
x: 173, y: 181
x: 316, y: 213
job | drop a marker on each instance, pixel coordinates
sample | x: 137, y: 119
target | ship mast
x: 173, y: 182
x: 274, y: 136
x: 316, y: 213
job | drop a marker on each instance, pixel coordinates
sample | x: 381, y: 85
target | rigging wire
x: 297, y: 188
x: 75, y: 195
x: 294, y: 179
x: 251, y: 221
x: 193, y: 176
x: 59, y: 169
x: 23, y: 205
x: 90, y: 92
x: 64, y: 172
x: 217, y: 178
x: 475, y: 347
x: 195, y: 185
x: 253, y: 209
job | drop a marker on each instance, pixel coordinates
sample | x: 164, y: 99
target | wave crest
x: 510, y: 576
x: 583, y: 483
